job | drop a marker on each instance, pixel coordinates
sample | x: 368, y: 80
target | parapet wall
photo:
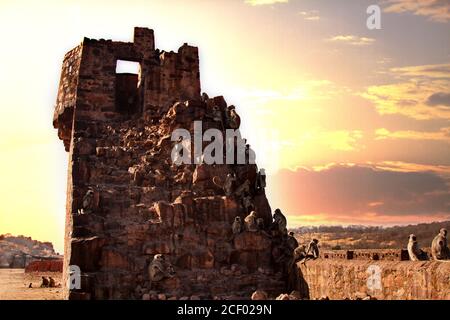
x: 398, y: 280
x: 49, y: 265
x: 367, y: 254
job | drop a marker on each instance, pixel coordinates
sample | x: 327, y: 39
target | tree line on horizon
x: 369, y: 237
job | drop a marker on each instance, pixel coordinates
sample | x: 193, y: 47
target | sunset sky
x: 352, y: 124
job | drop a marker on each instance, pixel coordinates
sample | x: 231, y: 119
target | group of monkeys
x: 232, y: 119
x: 286, y: 250
x: 46, y: 283
x: 243, y: 191
x: 228, y: 119
x: 439, y: 247
x: 252, y: 223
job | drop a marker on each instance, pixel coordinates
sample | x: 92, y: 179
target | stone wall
x: 54, y: 265
x: 367, y: 254
x: 127, y: 202
x: 399, y: 280
x: 67, y: 95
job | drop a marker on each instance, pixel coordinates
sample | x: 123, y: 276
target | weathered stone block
x: 113, y: 259
x: 86, y: 253
x: 253, y: 241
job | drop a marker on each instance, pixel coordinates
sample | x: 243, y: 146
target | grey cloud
x: 439, y: 98
x: 343, y: 190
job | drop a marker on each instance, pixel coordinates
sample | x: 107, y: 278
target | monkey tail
x: 216, y: 180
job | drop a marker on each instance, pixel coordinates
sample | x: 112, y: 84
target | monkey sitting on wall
x: 233, y: 120
x: 439, y: 248
x: 227, y: 185
x: 250, y: 222
x: 236, y: 227
x: 159, y: 268
x: 313, y: 250
x: 415, y: 253
x: 280, y: 221
x: 291, y: 241
x: 87, y: 203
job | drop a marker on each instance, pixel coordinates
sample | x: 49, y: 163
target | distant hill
x: 365, y: 237
x: 19, y: 251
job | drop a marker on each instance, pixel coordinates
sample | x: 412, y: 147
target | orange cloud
x: 435, y: 10
x: 295, y: 221
x: 352, y: 40
x: 264, y: 2
x: 423, y: 71
x: 441, y: 135
x: 400, y: 166
x: 312, y: 15
x: 414, y: 95
x: 363, y: 193
x: 342, y: 140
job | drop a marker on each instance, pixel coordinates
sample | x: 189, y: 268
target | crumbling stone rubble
x: 127, y: 202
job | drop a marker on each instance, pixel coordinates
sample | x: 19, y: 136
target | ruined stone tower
x: 126, y: 200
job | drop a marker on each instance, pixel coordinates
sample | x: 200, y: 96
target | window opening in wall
x: 124, y: 66
x: 127, y: 86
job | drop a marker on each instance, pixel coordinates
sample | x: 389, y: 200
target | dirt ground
x: 14, y: 285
